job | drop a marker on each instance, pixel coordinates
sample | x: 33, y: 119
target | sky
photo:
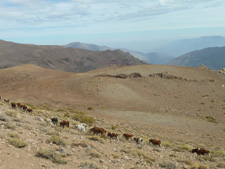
x: 140, y: 25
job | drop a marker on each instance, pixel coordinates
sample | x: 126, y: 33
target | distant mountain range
x: 151, y: 58
x: 213, y: 58
x: 61, y: 58
x: 181, y: 47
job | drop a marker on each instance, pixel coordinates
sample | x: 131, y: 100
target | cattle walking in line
x: 98, y: 130
x: 128, y: 136
x: 64, y: 123
x: 155, y: 142
x: 138, y: 140
x: 201, y: 151
x: 54, y: 121
x: 13, y: 105
x: 81, y: 128
x: 113, y: 135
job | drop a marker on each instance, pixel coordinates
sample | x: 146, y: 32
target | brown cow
x: 113, y: 135
x: 64, y: 123
x: 30, y: 110
x: 24, y: 107
x: 13, y: 105
x: 201, y: 151
x: 128, y: 136
x: 155, y: 142
x: 97, y: 130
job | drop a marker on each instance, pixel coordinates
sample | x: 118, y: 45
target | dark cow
x: 113, y: 135
x: 97, y: 130
x: 54, y: 120
x: 201, y: 151
x: 64, y: 123
x: 127, y: 136
x: 13, y: 105
x: 155, y: 142
x: 30, y: 110
x: 6, y: 100
x: 19, y: 104
x: 24, y: 107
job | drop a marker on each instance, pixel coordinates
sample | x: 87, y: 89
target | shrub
x: 10, y: 126
x: 88, y: 165
x: 187, y: 162
x: 52, y: 133
x: 218, y: 153
x: 50, y: 154
x: 13, y: 135
x: 90, y: 108
x: 211, y: 119
x: 167, y: 144
x: 167, y: 165
x: 96, y: 138
x: 16, y: 142
x: 56, y: 140
x: 82, y: 144
x: 84, y: 119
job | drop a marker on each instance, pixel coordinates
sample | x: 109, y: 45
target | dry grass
x: 83, y: 144
x: 84, y: 119
x: 167, y: 165
x: 13, y: 135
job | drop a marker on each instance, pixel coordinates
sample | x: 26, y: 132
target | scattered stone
x: 62, y: 150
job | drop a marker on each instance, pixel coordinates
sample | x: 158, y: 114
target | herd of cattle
x: 97, y: 130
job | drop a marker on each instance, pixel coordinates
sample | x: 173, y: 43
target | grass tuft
x: 16, y: 142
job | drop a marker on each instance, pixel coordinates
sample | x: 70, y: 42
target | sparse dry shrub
x: 218, y: 153
x: 9, y: 126
x: 13, y: 114
x: 167, y: 144
x: 96, y: 138
x: 52, y: 155
x: 59, y: 129
x: 167, y: 165
x: 115, y: 156
x: 59, y: 110
x: 94, y: 154
x: 52, y: 133
x: 140, y: 154
x: 197, y: 166
x: 89, y: 165
x: 13, y: 135
x: 30, y: 105
x: 221, y: 165
x: 184, y: 147
x: 44, y: 107
x: 16, y: 142
x: 187, y: 162
x: 172, y: 155
x: 211, y: 119
x: 206, y: 158
x: 90, y: 108
x: 56, y: 140
x: 84, y: 119
x: 81, y: 144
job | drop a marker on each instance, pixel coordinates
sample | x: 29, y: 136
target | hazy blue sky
x: 134, y: 24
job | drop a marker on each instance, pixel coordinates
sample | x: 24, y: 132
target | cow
x: 81, y: 128
x: 155, y: 142
x: 64, y: 123
x: 6, y: 100
x: 19, y: 104
x: 54, y: 120
x: 30, y: 110
x: 128, y: 136
x: 97, y: 130
x: 138, y: 140
x: 201, y: 151
x: 13, y: 105
x: 113, y: 135
x: 24, y: 107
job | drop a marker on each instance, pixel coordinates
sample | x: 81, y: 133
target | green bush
x: 84, y: 119
x: 56, y: 140
x: 50, y: 154
x: 16, y: 142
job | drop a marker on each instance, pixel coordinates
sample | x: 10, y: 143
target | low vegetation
x: 51, y: 155
x: 16, y: 142
x: 96, y: 138
x: 211, y: 119
x: 54, y: 139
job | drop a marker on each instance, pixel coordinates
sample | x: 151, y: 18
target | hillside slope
x: 213, y: 58
x: 61, y: 58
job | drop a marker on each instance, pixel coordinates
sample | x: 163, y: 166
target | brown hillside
x: 61, y: 58
x: 183, y: 107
